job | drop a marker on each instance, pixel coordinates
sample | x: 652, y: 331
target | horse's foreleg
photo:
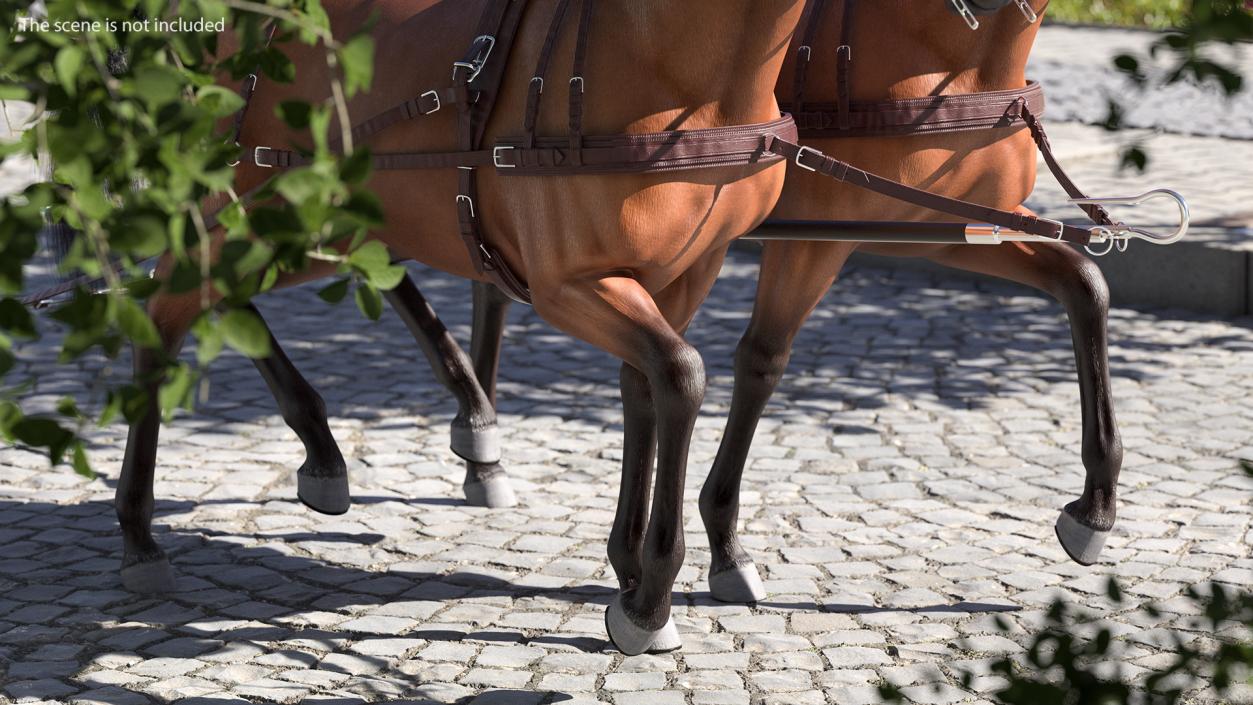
x: 794, y: 277
x: 1077, y: 283
x: 618, y: 315
x: 639, y: 450
x: 491, y: 306
x: 145, y: 567
x: 322, y: 481
x: 475, y: 437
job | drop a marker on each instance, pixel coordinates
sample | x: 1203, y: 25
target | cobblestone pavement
x: 900, y: 497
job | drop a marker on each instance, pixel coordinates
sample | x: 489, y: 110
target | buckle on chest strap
x: 256, y: 157
x: 475, y: 65
x: 498, y: 157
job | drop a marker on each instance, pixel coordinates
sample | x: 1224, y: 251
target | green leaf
x: 246, y: 332
x: 295, y: 113
x: 335, y: 292
x: 16, y: 320
x: 79, y: 462
x: 357, y: 61
x: 176, y: 390
x: 219, y: 101
x: 68, y: 63
x: 369, y: 301
x: 209, y: 339
x: 135, y: 323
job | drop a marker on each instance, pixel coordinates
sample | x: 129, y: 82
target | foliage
x: 1188, y: 55
x: 1062, y: 668
x: 1151, y: 14
x: 121, y: 102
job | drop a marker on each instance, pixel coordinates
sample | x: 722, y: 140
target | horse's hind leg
x: 1076, y: 282
x: 475, y: 437
x: 322, y: 481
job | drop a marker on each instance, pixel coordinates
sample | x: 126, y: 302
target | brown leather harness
x: 476, y: 85
x: 1002, y: 110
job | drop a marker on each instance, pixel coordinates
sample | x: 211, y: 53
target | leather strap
x: 805, y: 52
x: 813, y: 160
x: 923, y: 116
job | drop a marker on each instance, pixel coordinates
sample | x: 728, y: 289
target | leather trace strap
x: 814, y: 160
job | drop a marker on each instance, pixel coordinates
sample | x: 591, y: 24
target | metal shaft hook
x: 1120, y: 234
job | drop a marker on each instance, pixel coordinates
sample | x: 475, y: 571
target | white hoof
x: 478, y: 446
x: 1082, y: 544
x: 327, y: 495
x: 740, y: 584
x: 494, y: 492
x: 149, y: 577
x: 633, y: 640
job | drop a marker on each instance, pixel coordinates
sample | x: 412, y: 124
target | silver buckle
x: 496, y: 157
x: 802, y: 152
x: 256, y: 157
x: 434, y: 95
x: 1025, y: 8
x: 964, y: 10
x: 234, y: 163
x: 578, y: 80
x: 462, y: 197
x: 806, y: 50
x: 475, y: 65
x: 1060, y: 226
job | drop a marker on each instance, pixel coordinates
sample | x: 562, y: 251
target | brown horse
x: 620, y: 261
x: 991, y: 167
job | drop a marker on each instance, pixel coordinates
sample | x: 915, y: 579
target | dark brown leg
x: 145, y: 567
x: 322, y: 481
x: 626, y: 539
x: 1077, y: 283
x: 474, y: 434
x: 794, y: 277
x: 491, y: 307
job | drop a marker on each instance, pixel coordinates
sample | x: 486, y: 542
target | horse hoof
x: 634, y: 640
x: 328, y: 495
x: 1082, y: 544
x: 478, y: 446
x: 741, y: 584
x: 494, y: 492
x: 149, y: 577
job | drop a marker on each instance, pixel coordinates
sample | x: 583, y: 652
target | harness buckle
x: 1025, y: 8
x: 256, y: 157
x: 462, y: 198
x: 438, y: 104
x: 578, y: 80
x: 236, y: 162
x: 476, y: 64
x: 964, y: 10
x: 497, y: 157
x: 806, y: 50
x: 801, y: 154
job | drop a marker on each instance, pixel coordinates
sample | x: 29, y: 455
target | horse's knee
x: 680, y: 377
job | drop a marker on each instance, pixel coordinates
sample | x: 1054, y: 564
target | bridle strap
x: 577, y: 83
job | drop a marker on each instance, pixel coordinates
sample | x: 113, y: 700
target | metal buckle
x: 964, y: 10
x: 438, y: 104
x: 540, y: 80
x: 1060, y: 227
x: 845, y: 49
x: 234, y: 163
x: 256, y: 157
x: 579, y: 80
x: 1025, y: 8
x: 469, y: 201
x: 801, y: 154
x: 496, y: 157
x: 806, y: 50
x: 475, y: 65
